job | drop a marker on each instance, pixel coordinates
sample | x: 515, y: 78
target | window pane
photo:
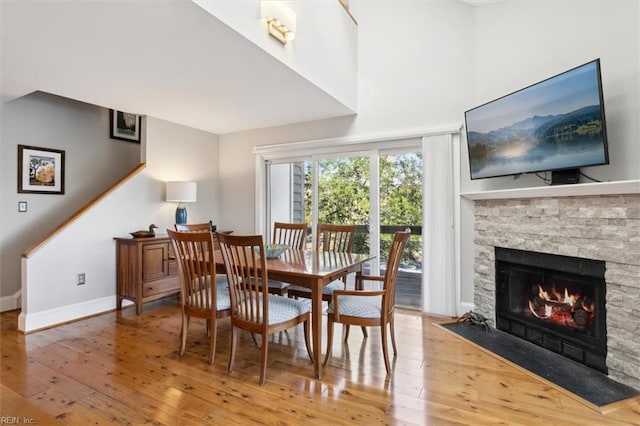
x: 401, y: 207
x: 343, y: 196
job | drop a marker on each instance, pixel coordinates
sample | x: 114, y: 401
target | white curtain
x: 438, y: 226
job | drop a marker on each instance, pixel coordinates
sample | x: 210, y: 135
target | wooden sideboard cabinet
x: 146, y: 270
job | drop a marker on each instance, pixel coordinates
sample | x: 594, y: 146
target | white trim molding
x: 574, y: 190
x: 441, y: 277
x: 350, y: 143
x: 56, y: 316
x: 11, y: 302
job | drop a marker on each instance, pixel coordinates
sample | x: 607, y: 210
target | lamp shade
x: 182, y: 192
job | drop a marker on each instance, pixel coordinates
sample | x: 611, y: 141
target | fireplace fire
x: 556, y: 302
x: 571, y: 310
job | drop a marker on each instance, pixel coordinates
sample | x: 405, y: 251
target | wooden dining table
x: 313, y: 270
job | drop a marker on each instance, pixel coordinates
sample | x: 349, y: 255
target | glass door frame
x: 441, y: 214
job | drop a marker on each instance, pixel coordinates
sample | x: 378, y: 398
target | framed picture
x: 124, y: 126
x: 40, y: 170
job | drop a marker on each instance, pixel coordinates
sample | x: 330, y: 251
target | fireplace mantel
x: 575, y: 190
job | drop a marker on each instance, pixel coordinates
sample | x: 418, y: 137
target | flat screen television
x: 556, y: 124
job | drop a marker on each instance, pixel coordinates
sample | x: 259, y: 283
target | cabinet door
x: 155, y: 261
x: 173, y: 263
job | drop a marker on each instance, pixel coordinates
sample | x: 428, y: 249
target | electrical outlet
x: 80, y: 278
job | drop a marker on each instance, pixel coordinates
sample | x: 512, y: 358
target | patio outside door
x: 380, y: 192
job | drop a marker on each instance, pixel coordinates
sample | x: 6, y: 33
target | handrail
x: 345, y: 5
x: 27, y: 253
x: 384, y: 229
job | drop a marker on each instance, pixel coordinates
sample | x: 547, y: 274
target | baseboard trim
x: 29, y: 323
x: 12, y: 302
x: 464, y: 307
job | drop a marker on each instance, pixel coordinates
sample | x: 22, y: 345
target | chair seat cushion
x: 328, y: 289
x: 223, y: 300
x: 278, y: 284
x: 358, y: 306
x: 283, y: 309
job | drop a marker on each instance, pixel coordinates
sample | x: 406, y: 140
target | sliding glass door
x: 400, y: 207
x: 378, y: 191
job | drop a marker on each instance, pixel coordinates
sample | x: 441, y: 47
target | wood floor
x: 119, y: 368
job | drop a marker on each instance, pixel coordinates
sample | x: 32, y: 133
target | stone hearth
x: 603, y: 227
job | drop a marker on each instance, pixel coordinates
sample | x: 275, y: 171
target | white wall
x: 174, y: 152
x: 413, y: 63
x: 410, y: 78
x: 93, y: 163
x: 443, y: 58
x: 520, y: 43
x: 324, y: 30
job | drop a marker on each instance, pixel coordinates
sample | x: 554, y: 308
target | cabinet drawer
x: 171, y: 284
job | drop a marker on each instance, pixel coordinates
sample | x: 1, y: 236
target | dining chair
x: 370, y: 307
x: 293, y: 235
x: 201, y: 294
x: 329, y: 238
x: 193, y: 227
x: 252, y: 309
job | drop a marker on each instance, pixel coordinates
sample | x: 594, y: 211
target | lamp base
x: 181, y: 215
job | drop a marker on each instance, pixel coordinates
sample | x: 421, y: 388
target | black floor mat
x: 589, y: 384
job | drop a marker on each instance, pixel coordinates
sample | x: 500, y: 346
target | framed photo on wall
x: 40, y: 170
x: 124, y: 126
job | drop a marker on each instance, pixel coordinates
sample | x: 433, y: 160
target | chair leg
x: 212, y: 340
x: 263, y: 363
x: 183, y: 333
x: 393, y: 336
x: 234, y: 343
x: 385, y: 351
x: 364, y: 331
x: 347, y: 327
x: 329, y: 339
x: 306, y: 339
x: 253, y: 336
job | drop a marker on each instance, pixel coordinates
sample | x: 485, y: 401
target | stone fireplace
x: 603, y: 228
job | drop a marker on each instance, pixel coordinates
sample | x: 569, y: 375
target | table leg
x: 316, y: 325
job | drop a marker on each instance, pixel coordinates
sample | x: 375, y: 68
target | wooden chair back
x: 391, y: 274
x: 197, y: 268
x: 246, y: 268
x: 291, y: 234
x: 336, y: 238
x: 193, y: 227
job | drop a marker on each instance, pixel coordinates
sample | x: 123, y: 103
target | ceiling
x: 166, y: 59
x: 169, y: 60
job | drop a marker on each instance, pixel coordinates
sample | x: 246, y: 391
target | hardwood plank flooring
x: 119, y: 368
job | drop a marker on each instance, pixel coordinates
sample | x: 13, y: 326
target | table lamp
x: 181, y: 192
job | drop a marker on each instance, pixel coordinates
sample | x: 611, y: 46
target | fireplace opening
x: 557, y: 302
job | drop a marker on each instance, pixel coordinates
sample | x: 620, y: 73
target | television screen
x: 555, y: 124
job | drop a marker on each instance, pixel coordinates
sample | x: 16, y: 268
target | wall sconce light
x: 181, y: 192
x: 281, y: 21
